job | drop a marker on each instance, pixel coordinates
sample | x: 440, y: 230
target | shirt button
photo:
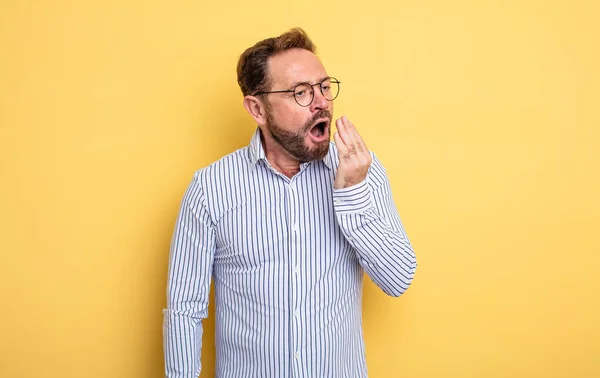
x: 296, y: 270
x: 296, y: 228
x: 297, y: 355
x: 296, y: 313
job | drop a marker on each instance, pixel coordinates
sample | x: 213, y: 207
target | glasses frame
x: 293, y: 90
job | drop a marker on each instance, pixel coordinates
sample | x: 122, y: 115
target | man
x: 285, y: 227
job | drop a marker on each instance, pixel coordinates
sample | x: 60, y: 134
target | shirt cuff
x: 353, y: 199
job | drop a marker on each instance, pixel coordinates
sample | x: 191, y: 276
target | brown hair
x: 252, y: 68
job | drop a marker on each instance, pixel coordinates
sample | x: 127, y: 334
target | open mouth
x: 320, y: 130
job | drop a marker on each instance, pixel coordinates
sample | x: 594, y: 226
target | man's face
x: 304, y: 132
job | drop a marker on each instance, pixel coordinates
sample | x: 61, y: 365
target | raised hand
x: 355, y: 158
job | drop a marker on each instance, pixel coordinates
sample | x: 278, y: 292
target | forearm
x: 187, y: 305
x: 182, y: 344
x: 370, y: 222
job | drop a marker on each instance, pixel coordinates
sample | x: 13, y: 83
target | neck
x: 278, y: 157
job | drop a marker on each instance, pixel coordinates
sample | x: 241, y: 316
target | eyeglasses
x: 304, y: 93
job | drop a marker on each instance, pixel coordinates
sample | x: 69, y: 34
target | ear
x: 256, y: 109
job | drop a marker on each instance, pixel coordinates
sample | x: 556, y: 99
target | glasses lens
x: 304, y: 94
x: 330, y: 88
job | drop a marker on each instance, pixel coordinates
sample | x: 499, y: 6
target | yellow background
x: 485, y: 113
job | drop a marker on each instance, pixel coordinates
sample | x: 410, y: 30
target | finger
x: 357, y: 140
x: 360, y: 143
x: 341, y: 146
x: 341, y: 131
x: 348, y: 135
x: 350, y: 130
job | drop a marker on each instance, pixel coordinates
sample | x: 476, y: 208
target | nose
x: 319, y: 101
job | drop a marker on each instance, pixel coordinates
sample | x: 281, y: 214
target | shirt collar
x: 256, y: 151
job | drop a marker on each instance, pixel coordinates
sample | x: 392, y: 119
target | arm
x: 188, y: 287
x: 370, y: 222
x: 367, y: 215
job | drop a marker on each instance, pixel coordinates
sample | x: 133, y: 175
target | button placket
x: 293, y: 255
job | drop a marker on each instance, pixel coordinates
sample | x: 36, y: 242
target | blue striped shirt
x: 287, y: 257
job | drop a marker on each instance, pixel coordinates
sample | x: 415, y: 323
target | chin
x: 320, y: 150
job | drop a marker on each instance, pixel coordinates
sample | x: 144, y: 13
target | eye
x: 325, y: 88
x: 299, y: 93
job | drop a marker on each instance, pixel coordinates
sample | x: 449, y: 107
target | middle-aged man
x: 286, y: 227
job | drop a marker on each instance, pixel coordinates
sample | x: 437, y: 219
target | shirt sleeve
x: 188, y: 287
x: 369, y: 220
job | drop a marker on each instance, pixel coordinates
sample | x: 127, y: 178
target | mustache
x: 320, y: 114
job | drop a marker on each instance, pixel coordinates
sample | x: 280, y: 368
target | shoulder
x: 227, y: 168
x: 377, y: 173
x: 220, y: 185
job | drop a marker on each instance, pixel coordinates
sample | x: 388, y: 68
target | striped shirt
x: 287, y: 257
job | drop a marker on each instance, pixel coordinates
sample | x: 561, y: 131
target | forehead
x: 295, y: 65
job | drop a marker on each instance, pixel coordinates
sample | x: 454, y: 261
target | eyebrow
x: 306, y: 82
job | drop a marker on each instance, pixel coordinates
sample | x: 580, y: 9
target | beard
x: 295, y: 142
